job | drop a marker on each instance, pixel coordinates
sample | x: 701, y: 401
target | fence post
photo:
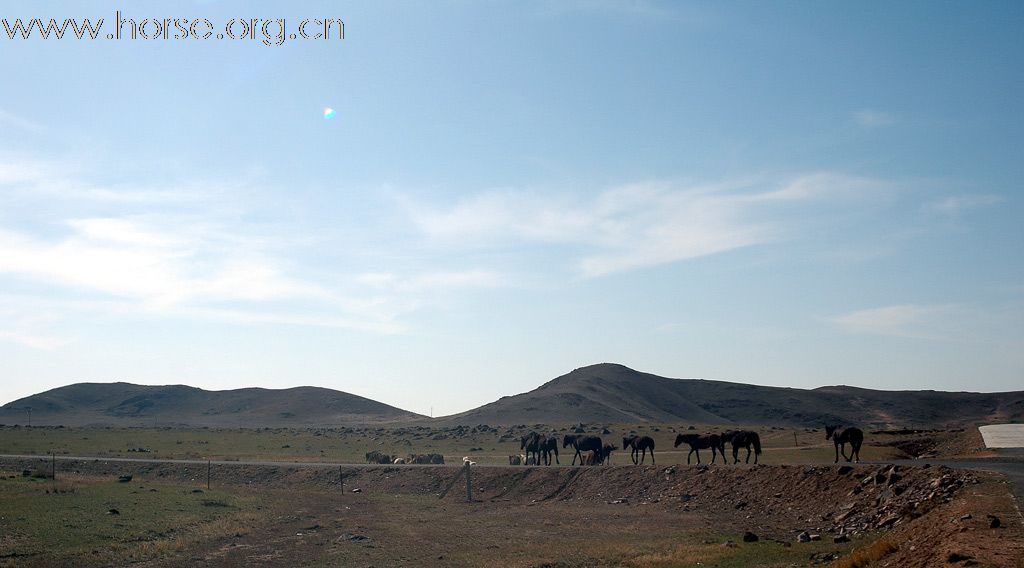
x: 341, y: 480
x: 209, y: 467
x: 469, y: 484
x: 53, y: 466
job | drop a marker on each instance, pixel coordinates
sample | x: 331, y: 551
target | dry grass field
x: 665, y: 515
x: 485, y: 444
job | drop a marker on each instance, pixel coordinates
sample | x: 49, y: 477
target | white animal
x: 469, y: 461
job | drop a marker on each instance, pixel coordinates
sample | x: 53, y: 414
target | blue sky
x: 793, y: 194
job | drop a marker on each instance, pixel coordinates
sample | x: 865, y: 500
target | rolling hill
x: 604, y: 393
x: 125, y: 404
x: 616, y: 394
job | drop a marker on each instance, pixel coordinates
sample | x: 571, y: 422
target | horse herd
x: 592, y: 450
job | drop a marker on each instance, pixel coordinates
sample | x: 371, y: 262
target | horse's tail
x: 757, y: 443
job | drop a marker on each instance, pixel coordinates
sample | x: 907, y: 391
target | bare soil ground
x: 668, y: 515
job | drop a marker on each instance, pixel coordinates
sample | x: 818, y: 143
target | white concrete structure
x: 1003, y: 435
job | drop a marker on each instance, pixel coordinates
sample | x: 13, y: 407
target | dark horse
x: 742, y: 439
x: 699, y: 442
x: 582, y: 444
x: 547, y: 446
x: 531, y: 444
x: 638, y: 444
x: 853, y: 436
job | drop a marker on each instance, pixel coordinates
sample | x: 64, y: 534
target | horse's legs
x: 748, y: 455
x: 755, y: 457
x: 688, y: 456
x: 842, y: 448
x: 698, y: 456
x: 837, y: 452
x: 652, y: 457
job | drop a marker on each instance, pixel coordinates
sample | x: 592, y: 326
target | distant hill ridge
x: 615, y: 393
x: 603, y: 393
x: 129, y: 404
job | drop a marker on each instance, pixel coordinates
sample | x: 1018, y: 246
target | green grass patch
x: 96, y: 522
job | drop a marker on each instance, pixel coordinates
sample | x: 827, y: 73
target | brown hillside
x: 617, y: 394
x: 125, y: 404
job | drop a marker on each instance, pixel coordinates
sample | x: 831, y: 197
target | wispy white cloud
x: 441, y: 280
x: 639, y: 8
x: 637, y: 225
x: 32, y: 341
x: 907, y: 320
x: 994, y: 324
x: 11, y: 120
x: 955, y: 204
x: 869, y: 118
x: 28, y: 328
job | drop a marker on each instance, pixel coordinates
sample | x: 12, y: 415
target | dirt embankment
x: 776, y: 501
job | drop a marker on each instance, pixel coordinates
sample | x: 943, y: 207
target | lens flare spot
x: 329, y: 113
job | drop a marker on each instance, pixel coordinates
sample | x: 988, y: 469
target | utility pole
x: 29, y: 409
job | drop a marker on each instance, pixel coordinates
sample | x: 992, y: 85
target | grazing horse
x: 606, y: 453
x: 582, y: 444
x: 638, y: 444
x: 741, y: 439
x: 547, y: 446
x: 698, y: 442
x: 854, y: 436
x: 531, y: 443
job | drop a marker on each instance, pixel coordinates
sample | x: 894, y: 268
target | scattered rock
x: 353, y: 537
x: 124, y: 478
x: 357, y: 490
x: 957, y: 557
x: 815, y: 537
x: 113, y: 512
x: 749, y: 537
x: 840, y: 539
x: 803, y: 537
x: 844, y: 469
x: 993, y: 522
